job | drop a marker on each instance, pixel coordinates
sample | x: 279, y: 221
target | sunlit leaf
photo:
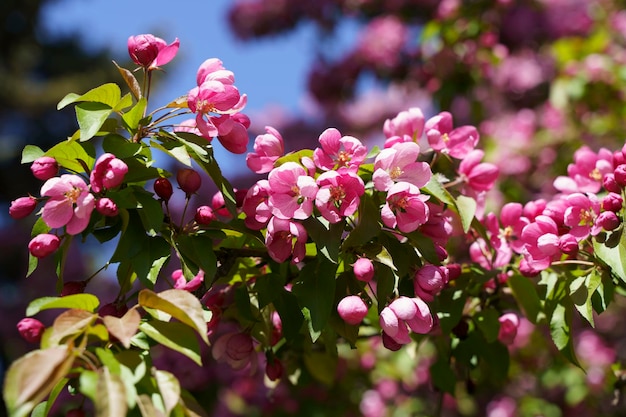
x: 169, y: 387
x: 30, y: 153
x: 131, y: 81
x: 108, y: 94
x: 322, y: 366
x: 87, y: 302
x: 111, y: 398
x: 525, y: 293
x: 123, y: 328
x: 69, y: 323
x: 174, y: 335
x: 467, y: 209
x: 69, y: 154
x: 91, y: 116
x: 180, y: 304
x: 147, y: 408
x: 614, y: 257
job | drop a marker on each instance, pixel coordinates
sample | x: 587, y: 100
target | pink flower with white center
x: 292, y: 191
x: 429, y: 280
x: 267, y: 149
x: 339, y: 194
x: 151, y: 52
x: 541, y: 243
x: 256, y: 205
x: 580, y: 214
x: 509, y: 322
x: 235, y: 349
x: 478, y: 176
x: 408, y: 122
x: 352, y: 309
x: 181, y: 283
x: 210, y: 98
x: 285, y: 239
x: 338, y: 151
x: 108, y: 173
x: 441, y: 136
x: 405, y: 207
x: 69, y: 203
x: 399, y: 163
x: 512, y: 222
x: 586, y: 173
x: 404, y: 314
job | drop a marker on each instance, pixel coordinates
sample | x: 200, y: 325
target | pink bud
x: 509, y: 323
x: 22, y: 207
x: 106, y: 207
x: 219, y: 204
x: 352, y: 309
x: 612, y: 202
x: 31, y: 329
x: 568, y: 244
x: 620, y: 175
x: 274, y: 369
x: 429, y: 280
x: 163, y: 188
x: 204, y: 215
x: 150, y: 52
x: 108, y: 173
x: 608, y: 220
x: 390, y: 343
x: 609, y: 183
x: 363, y: 269
x: 44, y: 168
x: 43, y: 245
x: 188, y: 180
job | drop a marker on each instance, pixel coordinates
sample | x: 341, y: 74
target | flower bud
x: 73, y: 287
x: 608, y: 220
x: 609, y: 183
x: 106, y: 207
x: 568, y: 244
x: 429, y: 280
x: 204, y: 215
x: 274, y: 369
x: 150, y: 52
x: 30, y: 329
x: 108, y: 173
x: 390, y: 343
x: 509, y: 323
x: 620, y: 175
x: 363, y: 269
x: 612, y: 202
x: 352, y: 309
x: 188, y: 180
x: 43, y: 245
x: 113, y: 309
x: 44, y: 168
x: 22, y: 207
x: 163, y: 188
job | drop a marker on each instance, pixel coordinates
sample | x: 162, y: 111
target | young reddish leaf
x: 111, y: 398
x: 131, y: 81
x: 69, y: 323
x: 147, y: 408
x: 33, y: 376
x: 169, y: 388
x: 180, y: 304
x: 123, y: 328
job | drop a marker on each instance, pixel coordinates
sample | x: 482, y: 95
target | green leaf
x: 315, y: 290
x: 169, y: 387
x: 488, y: 323
x: 133, y: 117
x: 614, y: 258
x: 322, y: 366
x: 91, y: 116
x: 108, y: 94
x: 174, y: 335
x: 435, y: 189
x: 581, y: 292
x: 561, y: 330
x: 385, y: 285
x: 87, y: 302
x: 30, y: 153
x: 286, y: 304
x: 198, y: 249
x: 327, y: 236
x: 147, y: 407
x: 69, y: 153
x: 111, y: 398
x: 32, y: 377
x: 123, y: 328
x: 69, y: 323
x: 466, y: 207
x: 120, y: 146
x: 177, y: 151
x: 125, y: 102
x: 526, y: 295
x: 367, y: 226
x: 180, y: 304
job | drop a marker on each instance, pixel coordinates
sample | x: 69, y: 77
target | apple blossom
x: 338, y: 151
x: 106, y: 207
x: 151, y: 52
x: 408, y: 122
x: 108, y: 173
x: 509, y: 323
x: 339, y: 194
x: 405, y: 313
x: 399, y: 163
x: 256, y: 206
x: 22, y: 207
x: 429, y: 280
x: 586, y: 173
x: 285, y: 238
x: 181, y: 282
x: 31, y: 329
x: 405, y: 207
x: 292, y: 192
x: 352, y: 309
x: 44, y: 168
x: 580, y: 214
x: 43, y: 245
x: 441, y: 136
x: 267, y: 149
x: 232, y: 132
x: 69, y: 203
x: 236, y: 349
x: 612, y: 202
x: 479, y: 176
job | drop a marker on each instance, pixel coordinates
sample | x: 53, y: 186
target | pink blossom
x: 612, y: 202
x: 441, y: 136
x: 31, y: 329
x: 607, y: 220
x: 405, y: 313
x: 181, y: 283
x: 586, y: 173
x: 509, y: 323
x: 399, y: 163
x: 151, y: 52
x: 213, y: 69
x: 352, y: 309
x: 512, y: 222
x: 381, y: 42
x: 495, y: 255
x: 106, y: 207
x: 407, y: 123
x: 405, y: 207
x: 363, y: 269
x: 213, y: 98
x: 274, y: 369
x: 478, y: 176
x: 44, y: 168
x: 429, y: 280
x: 267, y: 149
x: 204, y: 215
x: 581, y: 213
x: 292, y: 192
x: 338, y: 151
x: 108, y: 173
x: 439, y: 226
x: 236, y: 349
x: 232, y: 132
x: 339, y: 194
x: 43, y: 245
x: 502, y: 407
x: 69, y: 203
x: 541, y: 242
x: 256, y: 205
x: 285, y: 238
x: 22, y: 207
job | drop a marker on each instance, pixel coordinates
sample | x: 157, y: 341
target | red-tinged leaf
x: 32, y: 377
x: 69, y: 323
x: 169, y: 388
x: 131, y: 81
x: 111, y: 398
x: 147, y: 408
x: 123, y: 328
x: 179, y: 304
